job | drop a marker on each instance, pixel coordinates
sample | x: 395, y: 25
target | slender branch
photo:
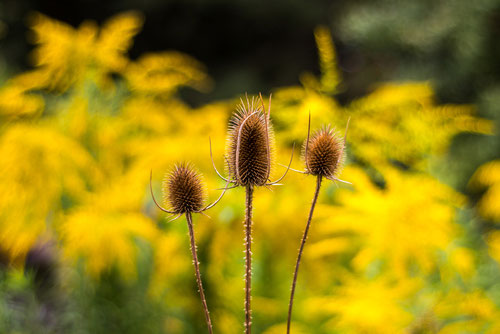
x: 304, y: 238
x: 197, y: 271
x: 248, y: 259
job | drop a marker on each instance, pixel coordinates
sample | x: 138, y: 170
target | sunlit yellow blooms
x: 465, y: 312
x: 115, y: 39
x: 111, y: 240
x: 171, y: 258
x: 488, y: 175
x: 367, y: 306
x: 38, y: 167
x: 291, y: 108
x: 16, y: 102
x: 278, y: 329
x: 399, y: 225
x: 385, y: 254
x: 330, y: 76
x: 462, y: 261
x: 494, y: 245
x: 66, y: 56
x: 406, y: 113
x: 163, y: 73
x: 391, y: 115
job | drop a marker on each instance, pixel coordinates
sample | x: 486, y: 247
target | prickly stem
x: 304, y: 238
x: 248, y: 259
x: 197, y: 271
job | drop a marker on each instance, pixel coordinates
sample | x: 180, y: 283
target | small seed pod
x: 249, y: 152
x: 324, y: 153
x: 183, y: 189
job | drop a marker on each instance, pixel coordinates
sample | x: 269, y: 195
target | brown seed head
x: 183, y: 189
x: 249, y: 152
x: 325, y: 153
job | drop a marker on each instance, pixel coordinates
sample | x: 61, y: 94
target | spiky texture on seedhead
x: 249, y: 145
x: 183, y: 189
x: 325, y: 153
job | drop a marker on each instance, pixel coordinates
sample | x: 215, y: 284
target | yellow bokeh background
x: 82, y: 130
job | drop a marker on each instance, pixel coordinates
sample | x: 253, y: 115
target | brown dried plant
x: 184, y: 192
x: 249, y: 160
x: 324, y: 156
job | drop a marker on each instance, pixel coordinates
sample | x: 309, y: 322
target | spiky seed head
x: 325, y: 153
x: 249, y: 145
x: 183, y: 189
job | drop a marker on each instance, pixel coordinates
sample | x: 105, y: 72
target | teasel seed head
x: 249, y: 144
x: 183, y: 189
x: 324, y: 153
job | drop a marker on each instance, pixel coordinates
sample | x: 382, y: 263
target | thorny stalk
x: 197, y: 270
x: 304, y: 238
x: 248, y: 259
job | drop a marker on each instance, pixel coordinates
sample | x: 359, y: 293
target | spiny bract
x: 183, y: 189
x: 324, y: 154
x: 249, y: 151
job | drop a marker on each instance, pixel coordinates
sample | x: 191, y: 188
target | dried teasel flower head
x: 183, y: 189
x: 324, y: 153
x: 249, y: 144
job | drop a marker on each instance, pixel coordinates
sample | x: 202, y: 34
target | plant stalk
x: 248, y: 259
x: 197, y: 271
x: 304, y: 238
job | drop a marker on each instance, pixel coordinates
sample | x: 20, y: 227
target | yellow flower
x: 462, y: 312
x: 403, y: 224
x: 104, y: 239
x: 39, y: 170
x: 401, y: 122
x: 163, y: 73
x: 494, y: 245
x: 366, y: 306
x: 488, y: 175
x: 65, y: 56
x: 16, y: 102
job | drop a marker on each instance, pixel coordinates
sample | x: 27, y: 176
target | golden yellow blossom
x: 488, y: 175
x: 406, y: 113
x: 65, y: 56
x: 403, y: 224
x: 110, y: 242
x: 16, y: 102
x: 163, y: 73
x: 367, y: 306
x: 40, y: 169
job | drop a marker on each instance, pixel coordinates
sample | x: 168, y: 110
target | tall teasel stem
x: 183, y: 190
x: 249, y: 165
x: 304, y: 239
x: 197, y: 271
x: 324, y: 155
x: 248, y: 259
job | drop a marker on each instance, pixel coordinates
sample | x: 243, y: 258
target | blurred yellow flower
x: 404, y: 223
x: 367, y: 306
x: 109, y: 243
x: 163, y: 73
x: 401, y: 122
x: 488, y: 176
x: 384, y: 255
x: 39, y: 170
x: 65, y: 56
x: 16, y: 102
x: 494, y: 245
